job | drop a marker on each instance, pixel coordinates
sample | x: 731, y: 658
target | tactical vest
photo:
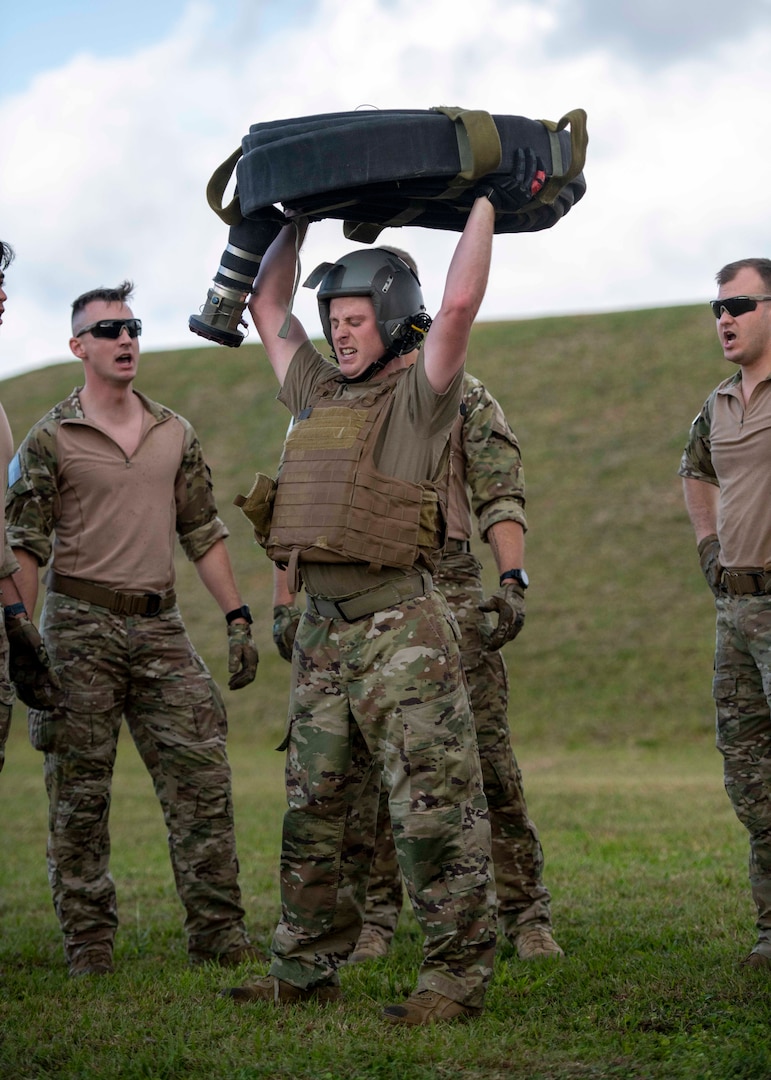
x: 333, y: 505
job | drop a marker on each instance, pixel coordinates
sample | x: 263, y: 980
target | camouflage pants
x: 6, y: 691
x: 146, y: 670
x: 517, y: 853
x: 742, y: 691
x: 384, y: 697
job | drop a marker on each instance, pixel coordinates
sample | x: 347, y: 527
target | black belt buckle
x: 153, y: 601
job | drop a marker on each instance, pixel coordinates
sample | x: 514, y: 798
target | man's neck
x: 109, y: 399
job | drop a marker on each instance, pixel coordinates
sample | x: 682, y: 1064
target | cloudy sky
x: 113, y: 117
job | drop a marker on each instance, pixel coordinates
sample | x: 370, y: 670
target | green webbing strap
x: 288, y: 317
x: 578, y: 141
x: 365, y: 232
x: 479, y: 153
x: 215, y: 189
x: 479, y: 144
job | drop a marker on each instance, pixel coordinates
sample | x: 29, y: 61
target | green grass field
x: 612, y: 720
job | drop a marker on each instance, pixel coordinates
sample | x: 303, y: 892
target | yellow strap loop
x: 215, y: 189
x: 576, y: 118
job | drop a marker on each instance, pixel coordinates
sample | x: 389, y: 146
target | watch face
x: 522, y: 576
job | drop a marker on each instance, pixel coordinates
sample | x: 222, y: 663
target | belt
x: 384, y: 596
x: 457, y: 545
x: 119, y: 603
x: 746, y: 581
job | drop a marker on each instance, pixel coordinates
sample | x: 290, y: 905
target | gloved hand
x: 709, y: 560
x: 29, y: 664
x: 510, y: 193
x: 286, y: 619
x: 243, y: 657
x: 509, y: 602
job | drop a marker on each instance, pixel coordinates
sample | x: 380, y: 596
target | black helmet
x: 389, y: 282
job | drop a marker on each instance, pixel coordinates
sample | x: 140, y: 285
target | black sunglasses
x: 112, y: 328
x: 736, y: 305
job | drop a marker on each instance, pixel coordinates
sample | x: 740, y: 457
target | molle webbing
x: 332, y: 504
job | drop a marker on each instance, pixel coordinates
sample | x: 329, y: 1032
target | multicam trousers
x: 742, y: 692
x: 517, y: 852
x: 384, y: 697
x: 146, y: 670
x: 6, y: 691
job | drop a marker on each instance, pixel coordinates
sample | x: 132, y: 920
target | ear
x: 76, y: 348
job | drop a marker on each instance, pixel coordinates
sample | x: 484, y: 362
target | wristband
x: 242, y: 612
x: 15, y: 609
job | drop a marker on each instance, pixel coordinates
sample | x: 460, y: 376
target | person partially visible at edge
x: 378, y: 689
x: 727, y: 488
x: 113, y: 476
x: 487, y: 478
x: 16, y: 624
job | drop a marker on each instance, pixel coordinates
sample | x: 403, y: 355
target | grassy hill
x: 618, y: 642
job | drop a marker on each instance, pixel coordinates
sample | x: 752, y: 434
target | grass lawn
x: 647, y: 867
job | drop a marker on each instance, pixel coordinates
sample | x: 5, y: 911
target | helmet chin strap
x: 373, y: 369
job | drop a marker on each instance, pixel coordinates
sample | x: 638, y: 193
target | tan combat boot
x: 535, y: 942
x: 428, y: 1007
x: 269, y: 988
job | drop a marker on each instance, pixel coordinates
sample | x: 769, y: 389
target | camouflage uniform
x: 145, y: 668
x: 384, y: 697
x: 742, y: 678
x: 493, y: 472
x: 6, y: 692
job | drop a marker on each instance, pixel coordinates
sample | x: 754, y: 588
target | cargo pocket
x: 198, y: 705
x: 440, y: 751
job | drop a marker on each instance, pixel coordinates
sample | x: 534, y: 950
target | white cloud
x: 105, y: 162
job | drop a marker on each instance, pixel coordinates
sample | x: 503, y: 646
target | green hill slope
x: 617, y: 645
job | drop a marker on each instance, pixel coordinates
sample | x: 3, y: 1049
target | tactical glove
x: 709, y: 560
x: 286, y: 619
x: 29, y: 665
x: 243, y: 657
x: 509, y: 602
x: 512, y: 192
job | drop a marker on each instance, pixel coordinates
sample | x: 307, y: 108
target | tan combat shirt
x: 730, y: 445
x: 114, y: 518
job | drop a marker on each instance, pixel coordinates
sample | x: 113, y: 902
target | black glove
x: 509, y: 602
x: 709, y: 560
x: 286, y: 619
x: 29, y: 665
x: 512, y: 192
x: 243, y: 657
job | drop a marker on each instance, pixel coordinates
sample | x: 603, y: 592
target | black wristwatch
x: 242, y: 612
x: 519, y: 576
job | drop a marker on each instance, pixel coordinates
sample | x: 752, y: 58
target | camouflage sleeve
x: 696, y: 462
x: 32, y: 500
x: 198, y: 525
x: 10, y: 563
x: 494, y: 471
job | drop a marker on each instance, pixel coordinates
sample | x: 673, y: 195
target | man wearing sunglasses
x: 112, y: 476
x: 727, y: 487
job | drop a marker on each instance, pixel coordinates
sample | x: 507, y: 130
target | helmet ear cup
x: 387, y: 280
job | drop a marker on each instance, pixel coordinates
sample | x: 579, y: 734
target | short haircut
x: 730, y: 270
x: 119, y: 295
x: 6, y: 255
